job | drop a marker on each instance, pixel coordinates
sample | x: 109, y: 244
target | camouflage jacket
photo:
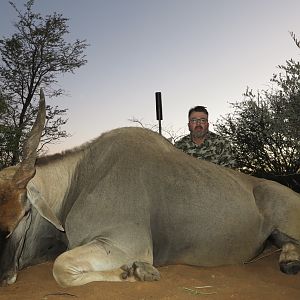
x: 214, y: 149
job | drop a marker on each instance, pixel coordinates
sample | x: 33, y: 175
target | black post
x: 159, y: 115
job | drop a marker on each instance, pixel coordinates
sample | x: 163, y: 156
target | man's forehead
x: 198, y: 114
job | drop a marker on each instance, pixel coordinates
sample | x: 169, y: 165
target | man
x: 202, y: 143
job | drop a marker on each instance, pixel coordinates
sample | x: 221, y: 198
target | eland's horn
x: 27, y: 167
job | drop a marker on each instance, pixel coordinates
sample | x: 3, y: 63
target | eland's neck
x: 54, y: 177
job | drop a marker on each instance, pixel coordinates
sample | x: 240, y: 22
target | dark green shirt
x: 215, y: 149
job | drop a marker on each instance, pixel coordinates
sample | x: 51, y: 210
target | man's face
x: 198, y: 124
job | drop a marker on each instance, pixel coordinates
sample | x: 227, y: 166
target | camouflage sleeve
x: 180, y: 145
x: 226, y: 158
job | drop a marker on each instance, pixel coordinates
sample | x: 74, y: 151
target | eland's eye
x: 2, y: 198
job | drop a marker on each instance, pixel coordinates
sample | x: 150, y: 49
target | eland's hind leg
x: 289, y: 260
x: 280, y: 207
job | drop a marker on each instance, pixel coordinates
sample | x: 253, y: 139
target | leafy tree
x: 2, y: 104
x: 34, y: 56
x: 3, y: 129
x: 264, y: 127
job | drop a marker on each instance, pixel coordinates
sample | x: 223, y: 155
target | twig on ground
x: 261, y: 257
x: 58, y: 294
x: 195, y: 292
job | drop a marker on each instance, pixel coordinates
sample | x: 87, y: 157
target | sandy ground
x: 258, y: 280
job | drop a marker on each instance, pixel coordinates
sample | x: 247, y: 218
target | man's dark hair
x: 198, y: 108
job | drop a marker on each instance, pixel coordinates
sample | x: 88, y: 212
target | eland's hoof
x: 290, y: 268
x: 142, y: 271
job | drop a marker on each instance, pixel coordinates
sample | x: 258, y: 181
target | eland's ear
x: 38, y: 201
x: 27, y: 167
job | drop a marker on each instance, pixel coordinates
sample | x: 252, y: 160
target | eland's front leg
x: 95, y: 261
